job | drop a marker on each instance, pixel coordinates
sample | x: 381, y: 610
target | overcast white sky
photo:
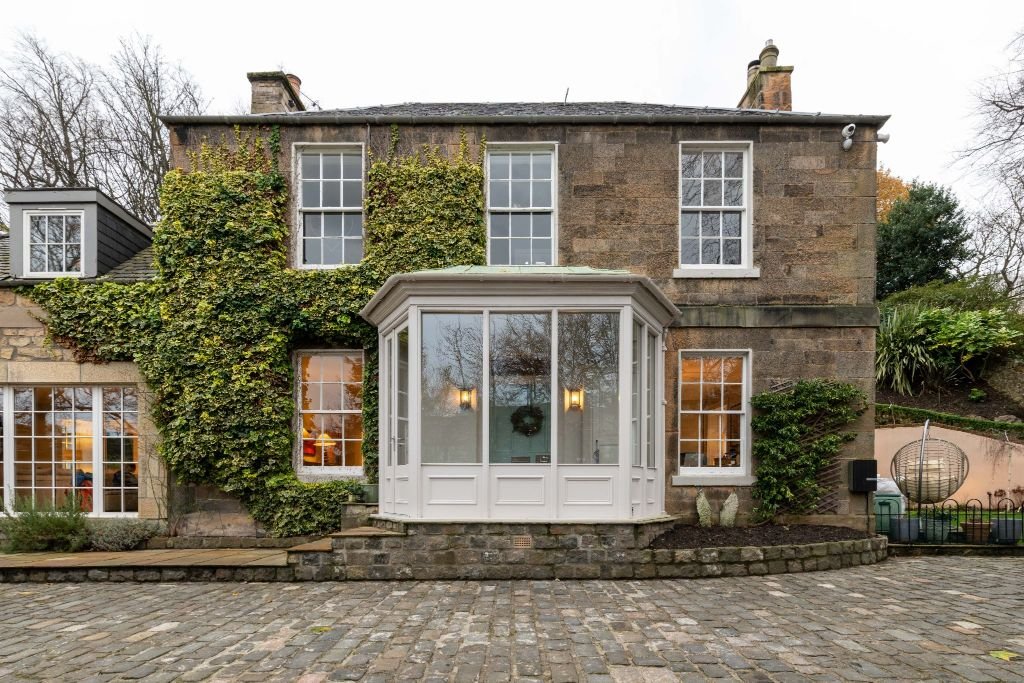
x: 918, y: 61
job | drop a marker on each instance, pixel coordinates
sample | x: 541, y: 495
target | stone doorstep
x: 364, y: 531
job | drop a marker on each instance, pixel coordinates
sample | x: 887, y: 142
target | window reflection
x: 451, y: 377
x: 520, y: 388
x: 588, y: 356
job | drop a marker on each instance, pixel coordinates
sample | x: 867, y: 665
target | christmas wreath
x: 527, y: 420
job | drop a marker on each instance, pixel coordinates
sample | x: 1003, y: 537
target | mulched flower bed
x: 685, y: 536
x: 954, y: 399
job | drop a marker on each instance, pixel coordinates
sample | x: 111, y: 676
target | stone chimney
x: 768, y: 84
x: 274, y: 92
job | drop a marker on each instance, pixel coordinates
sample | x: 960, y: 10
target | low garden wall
x: 426, y: 551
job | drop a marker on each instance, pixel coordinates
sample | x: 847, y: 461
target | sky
x: 922, y: 62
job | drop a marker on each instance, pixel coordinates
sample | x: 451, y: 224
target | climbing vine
x: 799, y: 434
x: 213, y: 333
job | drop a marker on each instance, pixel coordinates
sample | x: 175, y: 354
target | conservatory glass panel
x: 588, y: 388
x: 450, y: 379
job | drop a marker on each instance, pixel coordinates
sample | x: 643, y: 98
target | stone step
x: 387, y: 524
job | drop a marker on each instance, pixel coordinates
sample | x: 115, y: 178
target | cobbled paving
x: 905, y: 619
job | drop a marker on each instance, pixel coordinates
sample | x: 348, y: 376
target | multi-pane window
x: 54, y: 245
x: 520, y: 203
x: 712, y: 410
x: 330, y: 408
x: 331, y: 208
x: 714, y: 223
x: 57, y: 459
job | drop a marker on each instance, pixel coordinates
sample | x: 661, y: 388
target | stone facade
x: 810, y: 313
x: 26, y: 358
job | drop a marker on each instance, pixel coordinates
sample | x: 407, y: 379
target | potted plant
x: 1008, y: 530
x: 936, y: 527
x: 904, y: 529
x: 370, y: 492
x: 977, y: 531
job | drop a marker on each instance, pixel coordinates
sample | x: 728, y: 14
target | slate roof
x: 138, y: 267
x: 532, y: 112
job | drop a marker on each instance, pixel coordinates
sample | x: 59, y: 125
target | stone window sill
x: 724, y: 273
x: 713, y: 480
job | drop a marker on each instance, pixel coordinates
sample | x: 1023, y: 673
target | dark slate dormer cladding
x: 111, y: 235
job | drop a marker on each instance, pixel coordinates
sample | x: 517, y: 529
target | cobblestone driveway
x: 935, y: 618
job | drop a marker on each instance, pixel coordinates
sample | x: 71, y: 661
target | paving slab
x: 906, y: 619
x: 147, y: 558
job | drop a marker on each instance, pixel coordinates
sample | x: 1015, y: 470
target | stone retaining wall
x: 573, y: 551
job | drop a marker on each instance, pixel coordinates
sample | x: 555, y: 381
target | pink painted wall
x: 994, y: 463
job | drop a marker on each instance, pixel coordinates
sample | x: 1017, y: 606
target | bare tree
x: 51, y: 129
x: 997, y: 238
x: 1000, y: 113
x: 66, y: 123
x: 139, y: 87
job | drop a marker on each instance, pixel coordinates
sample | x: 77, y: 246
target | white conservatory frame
x: 625, y: 490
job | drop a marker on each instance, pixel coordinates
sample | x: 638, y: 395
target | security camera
x: 849, y: 130
x: 882, y: 137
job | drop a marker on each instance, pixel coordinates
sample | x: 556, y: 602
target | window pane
x: 72, y: 258
x: 733, y: 193
x: 311, y: 193
x: 716, y: 435
x: 520, y: 224
x: 520, y: 387
x: 353, y: 193
x: 709, y: 223
x: 55, y: 232
x: 542, y: 194
x: 691, y: 193
x: 712, y: 193
x: 733, y: 164
x: 541, y: 166
x: 73, y: 229
x: 450, y: 382
x: 311, y: 252
x: 688, y: 252
x: 330, y: 389
x: 499, y: 194
x: 500, y: 252
x: 499, y: 224
x: 712, y: 164
x: 332, y: 193
x: 310, y: 166
x: 520, y: 194
x: 332, y: 166
x: 541, y: 225
x: 732, y: 397
x: 38, y: 259
x: 542, y: 252
x: 520, y: 255
x: 55, y: 259
x: 520, y: 166
x: 499, y: 166
x: 588, y: 383
x: 353, y: 167
x: 731, y: 222
x: 731, y: 252
x: 334, y: 251
x: 353, y: 250
x: 311, y: 224
x: 689, y: 224
x: 332, y: 224
x: 690, y: 166
x: 37, y: 229
x: 353, y: 224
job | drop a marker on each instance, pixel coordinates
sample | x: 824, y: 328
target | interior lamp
x: 465, y: 398
x: 576, y: 399
x: 325, y: 441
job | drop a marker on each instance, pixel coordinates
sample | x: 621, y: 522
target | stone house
x: 710, y: 253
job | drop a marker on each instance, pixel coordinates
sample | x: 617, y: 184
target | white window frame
x: 98, y: 488
x: 26, y: 222
x: 313, y: 472
x: 746, y: 267
x: 506, y: 147
x: 716, y: 476
x: 298, y: 148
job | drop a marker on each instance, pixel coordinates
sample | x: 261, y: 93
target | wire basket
x: 929, y: 470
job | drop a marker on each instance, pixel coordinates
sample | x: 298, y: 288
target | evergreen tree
x: 923, y: 239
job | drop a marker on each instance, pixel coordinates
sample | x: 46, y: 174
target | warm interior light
x: 325, y: 440
x: 576, y: 399
x: 466, y: 398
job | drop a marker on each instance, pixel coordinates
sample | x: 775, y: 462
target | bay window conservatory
x: 521, y: 393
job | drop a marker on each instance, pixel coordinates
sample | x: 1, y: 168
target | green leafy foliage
x: 967, y: 294
x: 214, y: 332
x: 39, y: 527
x: 923, y: 239
x: 917, y: 345
x: 116, y: 535
x: 799, y: 433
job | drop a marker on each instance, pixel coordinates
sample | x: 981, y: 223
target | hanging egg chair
x: 929, y: 470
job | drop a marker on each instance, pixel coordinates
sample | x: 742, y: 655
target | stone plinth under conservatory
x: 521, y: 394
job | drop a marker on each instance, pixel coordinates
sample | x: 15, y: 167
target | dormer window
x: 54, y: 244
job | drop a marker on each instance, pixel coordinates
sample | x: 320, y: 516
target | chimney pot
x: 296, y: 83
x: 769, y: 54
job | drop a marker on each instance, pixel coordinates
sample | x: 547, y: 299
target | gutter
x: 773, y: 117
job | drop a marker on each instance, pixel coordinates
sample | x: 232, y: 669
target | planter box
x: 936, y: 529
x: 903, y: 529
x: 977, y: 533
x: 1008, y: 531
